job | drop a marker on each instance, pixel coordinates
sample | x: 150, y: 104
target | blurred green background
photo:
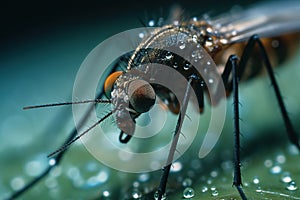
x: 42, y: 46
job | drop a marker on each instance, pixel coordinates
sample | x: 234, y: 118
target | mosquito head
x: 141, y: 95
x: 139, y: 92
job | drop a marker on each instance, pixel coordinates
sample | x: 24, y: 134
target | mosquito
x: 241, y: 44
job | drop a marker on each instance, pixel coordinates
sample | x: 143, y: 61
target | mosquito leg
x: 254, y: 40
x: 237, y: 179
x: 166, y: 169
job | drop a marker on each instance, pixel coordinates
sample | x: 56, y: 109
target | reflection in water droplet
x: 188, y: 193
x: 292, y: 186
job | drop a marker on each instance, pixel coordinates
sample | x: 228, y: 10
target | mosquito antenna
x: 68, y: 103
x: 62, y: 148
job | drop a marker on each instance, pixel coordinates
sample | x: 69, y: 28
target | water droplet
x: 136, y: 194
x: 33, y: 168
x: 187, y: 182
x: 268, y: 163
x: 164, y: 196
x: 226, y: 165
x: 280, y: 159
x: 188, y: 193
x: 194, y: 54
x: 234, y: 32
x: 169, y: 55
x: 215, y: 193
x: 73, y: 173
x: 204, y: 189
x: 151, y: 23
x: 105, y: 193
x: 52, y: 162
x: 176, y: 166
x: 255, y: 180
x: 135, y: 184
x: 17, y: 183
x: 144, y: 177
x: 181, y: 45
x: 175, y: 65
x: 210, y: 80
x: 258, y: 190
x: 275, y: 170
x: 214, y: 174
x: 209, y: 181
x: 187, y: 66
x: 51, y: 183
x: 292, y: 186
x: 195, y: 19
x: 195, y: 38
x: 141, y: 35
x: 286, y: 178
x: 55, y: 172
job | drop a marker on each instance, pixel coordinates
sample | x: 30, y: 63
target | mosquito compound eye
x: 141, y: 95
x: 109, y: 83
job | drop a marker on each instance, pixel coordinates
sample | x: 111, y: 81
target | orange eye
x: 109, y: 83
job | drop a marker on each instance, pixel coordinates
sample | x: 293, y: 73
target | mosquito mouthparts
x: 68, y: 103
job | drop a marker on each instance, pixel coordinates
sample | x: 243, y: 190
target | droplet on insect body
x: 181, y: 45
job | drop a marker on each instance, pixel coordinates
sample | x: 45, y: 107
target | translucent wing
x: 265, y: 19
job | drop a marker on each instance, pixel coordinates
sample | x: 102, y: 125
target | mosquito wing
x: 265, y: 19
